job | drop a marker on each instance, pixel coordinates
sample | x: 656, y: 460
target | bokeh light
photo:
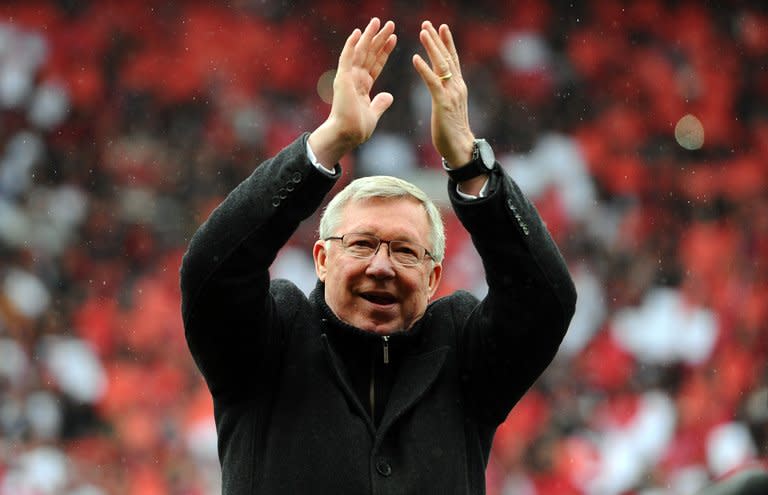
x: 689, y: 132
x: 325, y: 85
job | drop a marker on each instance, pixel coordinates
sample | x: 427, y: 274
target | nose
x: 380, y: 265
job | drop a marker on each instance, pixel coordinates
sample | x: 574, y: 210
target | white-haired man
x: 367, y: 385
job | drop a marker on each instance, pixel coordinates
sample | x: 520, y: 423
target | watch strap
x: 473, y: 169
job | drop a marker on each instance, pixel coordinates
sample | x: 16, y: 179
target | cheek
x: 419, y: 287
x: 425, y: 283
x: 342, y: 277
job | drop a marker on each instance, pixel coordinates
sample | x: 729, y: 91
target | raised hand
x: 354, y: 114
x: 451, y: 134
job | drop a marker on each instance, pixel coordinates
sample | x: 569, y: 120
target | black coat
x: 288, y: 415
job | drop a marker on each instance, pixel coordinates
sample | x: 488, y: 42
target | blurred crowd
x: 639, y: 128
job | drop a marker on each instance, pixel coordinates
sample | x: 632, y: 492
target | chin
x: 379, y: 328
x: 385, y: 330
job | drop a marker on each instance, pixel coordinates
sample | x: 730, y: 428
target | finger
x: 380, y: 103
x: 447, y: 37
x: 377, y: 43
x: 439, y: 65
x: 427, y: 75
x: 438, y: 40
x: 363, y: 45
x: 347, y: 53
x: 383, y: 56
x: 438, y: 53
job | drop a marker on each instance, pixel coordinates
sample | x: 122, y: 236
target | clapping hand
x: 354, y: 114
x: 451, y: 134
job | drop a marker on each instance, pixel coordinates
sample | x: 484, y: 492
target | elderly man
x: 368, y: 386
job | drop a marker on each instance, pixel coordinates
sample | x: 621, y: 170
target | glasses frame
x: 378, y: 246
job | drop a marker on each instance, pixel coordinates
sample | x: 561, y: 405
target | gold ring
x: 446, y: 76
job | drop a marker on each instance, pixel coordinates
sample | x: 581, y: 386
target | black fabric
x: 290, y: 382
x: 369, y: 368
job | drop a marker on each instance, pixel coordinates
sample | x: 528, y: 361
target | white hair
x: 383, y: 186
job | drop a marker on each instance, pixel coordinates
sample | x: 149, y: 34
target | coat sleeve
x: 231, y: 321
x: 509, y: 338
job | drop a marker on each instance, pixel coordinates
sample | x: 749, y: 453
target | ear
x: 320, y: 255
x: 434, y: 278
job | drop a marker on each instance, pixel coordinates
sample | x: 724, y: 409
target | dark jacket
x: 288, y: 410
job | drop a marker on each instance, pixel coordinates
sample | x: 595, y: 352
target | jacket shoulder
x: 453, y: 309
x: 287, y: 296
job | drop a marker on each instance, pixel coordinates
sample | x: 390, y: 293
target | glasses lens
x: 360, y: 245
x: 405, y: 253
x: 364, y: 246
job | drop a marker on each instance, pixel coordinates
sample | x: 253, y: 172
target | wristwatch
x: 481, y: 163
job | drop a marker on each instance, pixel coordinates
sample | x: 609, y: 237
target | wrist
x: 329, y: 144
x: 473, y: 187
x: 481, y: 163
x: 461, y: 153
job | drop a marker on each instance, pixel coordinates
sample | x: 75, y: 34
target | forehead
x: 400, y: 217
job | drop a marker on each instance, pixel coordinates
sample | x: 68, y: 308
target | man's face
x: 376, y: 294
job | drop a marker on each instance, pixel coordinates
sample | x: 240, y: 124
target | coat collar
x: 338, y: 329
x: 418, y: 367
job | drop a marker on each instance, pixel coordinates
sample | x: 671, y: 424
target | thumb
x: 380, y: 103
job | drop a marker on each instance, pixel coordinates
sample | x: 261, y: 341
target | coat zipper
x: 385, y: 345
x: 372, y: 389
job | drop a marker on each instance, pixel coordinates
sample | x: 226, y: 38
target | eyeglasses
x: 365, y: 246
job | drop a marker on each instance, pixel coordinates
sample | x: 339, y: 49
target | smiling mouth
x: 380, y: 299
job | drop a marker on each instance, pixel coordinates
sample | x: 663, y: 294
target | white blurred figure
x: 525, y: 51
x: 386, y: 153
x: 14, y: 224
x: 14, y: 362
x: 40, y: 471
x: 518, y: 484
x: 628, y: 449
x: 86, y: 490
x: 555, y: 161
x: 202, y: 443
x: 21, y: 54
x: 25, y: 49
x: 688, y: 480
x: 296, y: 265
x: 665, y: 329
x: 15, y: 85
x: 75, y: 367
x: 54, y: 215
x: 729, y: 446
x: 26, y: 293
x: 250, y: 123
x: 590, y: 310
x: 22, y: 152
x: 44, y: 415
x: 47, y: 222
x: 12, y: 421
x: 201, y: 439
x: 48, y: 106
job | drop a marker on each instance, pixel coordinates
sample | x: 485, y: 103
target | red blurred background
x: 639, y: 128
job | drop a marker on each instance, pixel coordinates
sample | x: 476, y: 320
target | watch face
x: 486, y: 153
